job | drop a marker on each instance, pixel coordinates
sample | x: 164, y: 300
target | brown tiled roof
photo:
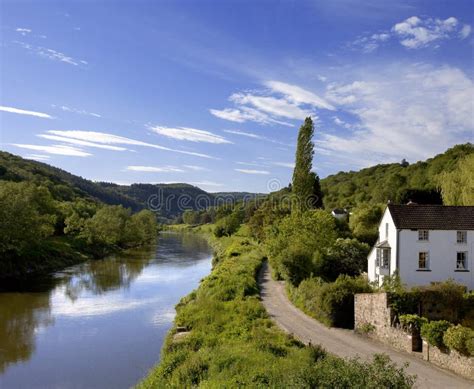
x: 432, y: 217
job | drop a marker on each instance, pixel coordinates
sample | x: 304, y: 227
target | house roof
x: 432, y: 217
x: 383, y: 245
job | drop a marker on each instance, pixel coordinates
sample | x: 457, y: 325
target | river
x: 100, y: 324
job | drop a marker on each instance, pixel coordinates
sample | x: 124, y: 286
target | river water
x: 100, y: 324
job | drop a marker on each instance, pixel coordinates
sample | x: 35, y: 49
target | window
x: 461, y: 237
x: 461, y: 260
x: 423, y: 260
x: 386, y: 230
x: 385, y: 263
x: 423, y: 234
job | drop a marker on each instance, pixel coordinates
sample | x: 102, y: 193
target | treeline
x: 444, y: 179
x: 40, y: 232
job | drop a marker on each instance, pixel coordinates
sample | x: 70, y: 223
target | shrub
x: 457, y: 337
x: 412, y: 322
x: 433, y: 332
x: 366, y: 328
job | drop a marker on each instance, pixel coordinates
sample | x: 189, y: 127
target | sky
x: 212, y: 93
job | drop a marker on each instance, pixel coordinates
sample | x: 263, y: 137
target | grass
x: 231, y: 342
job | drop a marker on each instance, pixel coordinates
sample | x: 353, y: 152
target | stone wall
x: 374, y: 317
x: 450, y: 360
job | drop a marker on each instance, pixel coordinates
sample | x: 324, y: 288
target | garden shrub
x: 457, y: 337
x: 412, y: 322
x: 433, y: 332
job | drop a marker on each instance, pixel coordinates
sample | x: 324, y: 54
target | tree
x: 27, y: 215
x: 304, y: 184
x: 364, y: 222
x: 457, y: 186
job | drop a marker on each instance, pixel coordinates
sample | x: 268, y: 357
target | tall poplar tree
x: 306, y: 188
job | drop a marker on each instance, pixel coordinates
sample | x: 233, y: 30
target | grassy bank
x: 229, y: 341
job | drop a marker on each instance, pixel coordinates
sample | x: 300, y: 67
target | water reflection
x: 101, y: 323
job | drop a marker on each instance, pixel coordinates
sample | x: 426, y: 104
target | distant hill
x: 169, y: 199
x: 398, y: 182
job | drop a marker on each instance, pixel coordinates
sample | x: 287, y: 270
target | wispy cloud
x: 78, y: 142
x: 54, y: 149
x: 289, y: 165
x: 155, y: 169
x: 275, y: 104
x: 189, y: 134
x: 51, y: 54
x: 75, y: 110
x: 196, y: 168
x: 403, y: 111
x: 206, y: 183
x: 111, y: 139
x: 37, y: 157
x: 251, y: 171
x: 254, y: 136
x: 25, y: 112
x: 23, y: 31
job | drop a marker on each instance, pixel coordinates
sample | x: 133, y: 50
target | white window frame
x: 466, y: 261
x: 423, y: 235
x: 463, y: 235
x: 427, y: 260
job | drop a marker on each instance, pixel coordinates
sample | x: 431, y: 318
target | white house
x: 425, y: 243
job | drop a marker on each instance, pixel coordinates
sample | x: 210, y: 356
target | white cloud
x: 51, y: 54
x: 289, y: 165
x: 369, y: 43
x: 105, y: 138
x: 207, y: 183
x: 189, y: 134
x: 23, y: 31
x: 155, y: 169
x: 298, y: 95
x: 75, y: 110
x: 404, y: 111
x: 81, y: 142
x: 415, y: 32
x: 465, y: 31
x: 249, y: 171
x: 196, y: 168
x: 37, y: 157
x: 55, y: 149
x: 25, y: 112
x: 246, y: 134
x: 249, y: 164
x: 280, y: 101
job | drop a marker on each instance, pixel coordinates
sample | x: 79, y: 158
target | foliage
x: 433, y: 332
x: 366, y: 328
x: 305, y: 185
x: 27, y: 216
x: 345, y: 256
x: 457, y: 186
x: 459, y: 338
x: 412, y: 322
x: 229, y: 224
x: 380, y: 183
x: 330, y: 303
x: 299, y: 236
x: 232, y: 343
x: 364, y: 222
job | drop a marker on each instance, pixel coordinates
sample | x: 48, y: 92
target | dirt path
x: 345, y: 343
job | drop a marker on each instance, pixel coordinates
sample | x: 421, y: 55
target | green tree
x: 304, y: 185
x: 364, y: 222
x: 457, y: 186
x: 27, y: 216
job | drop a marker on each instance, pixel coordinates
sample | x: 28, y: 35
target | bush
x: 412, y: 322
x: 330, y: 303
x: 433, y: 332
x: 457, y: 338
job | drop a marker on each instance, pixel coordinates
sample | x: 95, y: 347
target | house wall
x: 392, y: 240
x: 442, y: 249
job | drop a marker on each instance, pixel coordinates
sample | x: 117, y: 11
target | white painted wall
x: 442, y: 248
x: 392, y: 240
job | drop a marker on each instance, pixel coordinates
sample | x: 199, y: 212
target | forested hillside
x: 64, y: 186
x: 400, y: 182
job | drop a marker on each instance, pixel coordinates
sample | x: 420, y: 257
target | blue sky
x: 212, y: 93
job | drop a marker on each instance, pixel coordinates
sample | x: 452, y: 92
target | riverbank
x: 51, y: 255
x: 223, y: 337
